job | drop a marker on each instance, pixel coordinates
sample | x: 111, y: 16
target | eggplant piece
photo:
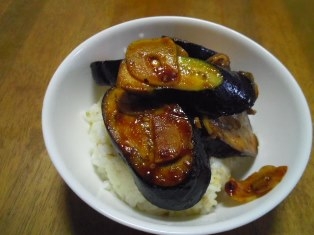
x: 228, y: 136
x: 156, y: 65
x: 162, y: 148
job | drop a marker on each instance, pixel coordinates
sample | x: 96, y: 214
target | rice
x: 117, y: 177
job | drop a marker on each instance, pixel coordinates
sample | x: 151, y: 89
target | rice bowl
x: 71, y: 92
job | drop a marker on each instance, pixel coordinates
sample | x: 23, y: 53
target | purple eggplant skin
x: 105, y: 73
x: 218, y: 148
x: 188, y: 193
x: 194, y: 50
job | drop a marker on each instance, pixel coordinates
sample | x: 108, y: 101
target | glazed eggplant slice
x: 162, y: 148
x: 207, y: 87
x: 230, y: 136
x: 105, y: 73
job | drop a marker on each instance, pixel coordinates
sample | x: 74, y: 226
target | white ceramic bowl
x: 282, y: 123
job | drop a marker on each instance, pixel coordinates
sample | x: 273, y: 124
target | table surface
x: 36, y: 35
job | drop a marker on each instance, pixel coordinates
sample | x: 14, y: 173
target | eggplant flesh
x: 228, y: 136
x: 162, y: 148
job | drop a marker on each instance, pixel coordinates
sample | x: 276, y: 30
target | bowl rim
x: 86, y: 196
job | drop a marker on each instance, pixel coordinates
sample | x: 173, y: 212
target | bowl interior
x: 282, y: 122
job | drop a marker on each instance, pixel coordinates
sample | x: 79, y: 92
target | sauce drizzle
x: 256, y: 185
